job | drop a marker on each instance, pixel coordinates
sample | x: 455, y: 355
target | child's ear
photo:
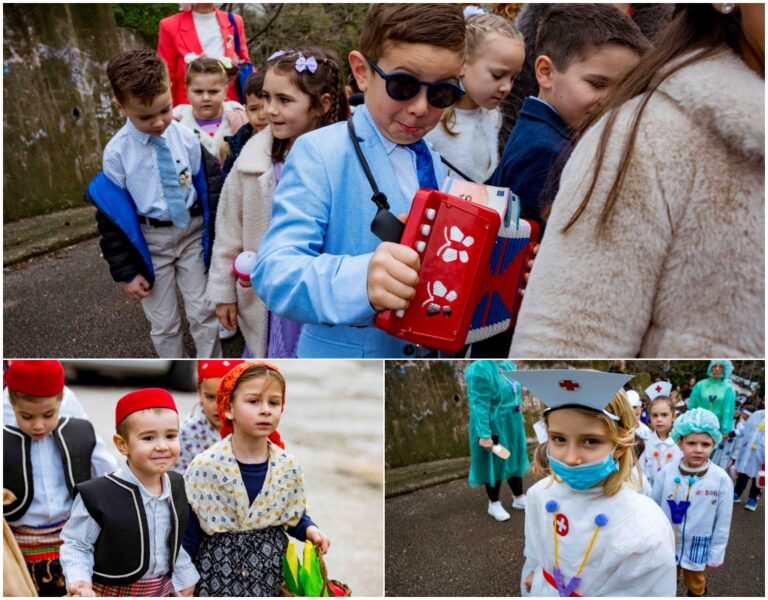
x: 619, y: 452
x: 360, y: 69
x: 325, y: 104
x: 118, y: 106
x: 545, y: 70
x: 120, y: 444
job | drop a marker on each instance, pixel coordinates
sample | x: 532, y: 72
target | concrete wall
x: 57, y: 113
x: 426, y: 416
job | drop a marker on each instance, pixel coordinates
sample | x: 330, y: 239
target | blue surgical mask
x: 584, y: 477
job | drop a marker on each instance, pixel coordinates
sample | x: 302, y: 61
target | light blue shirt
x: 81, y: 532
x: 402, y: 158
x: 52, y: 502
x: 130, y: 161
x: 312, y: 262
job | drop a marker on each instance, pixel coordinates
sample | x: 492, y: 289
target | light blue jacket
x: 313, y: 261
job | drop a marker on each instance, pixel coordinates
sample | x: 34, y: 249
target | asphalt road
x: 440, y: 541
x: 333, y: 425
x: 65, y: 305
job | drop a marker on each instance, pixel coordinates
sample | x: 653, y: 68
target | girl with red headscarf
x: 245, y: 491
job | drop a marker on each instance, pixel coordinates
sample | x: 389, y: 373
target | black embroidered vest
x: 121, y: 552
x: 75, y: 439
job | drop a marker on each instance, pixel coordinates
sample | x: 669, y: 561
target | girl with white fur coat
x: 243, y: 215
x: 665, y: 256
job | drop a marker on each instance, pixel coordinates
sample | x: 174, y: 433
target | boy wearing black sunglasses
x: 319, y: 262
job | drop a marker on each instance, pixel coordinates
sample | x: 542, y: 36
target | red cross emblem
x: 561, y: 523
x: 569, y: 385
x: 658, y: 388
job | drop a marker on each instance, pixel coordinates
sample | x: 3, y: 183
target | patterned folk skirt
x: 242, y: 563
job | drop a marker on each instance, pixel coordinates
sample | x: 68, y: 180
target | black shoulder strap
x: 385, y: 226
x: 455, y: 170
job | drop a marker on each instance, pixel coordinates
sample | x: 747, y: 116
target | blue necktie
x: 174, y: 196
x: 425, y: 170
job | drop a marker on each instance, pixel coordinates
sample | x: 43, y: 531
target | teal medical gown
x: 495, y: 409
x: 716, y: 395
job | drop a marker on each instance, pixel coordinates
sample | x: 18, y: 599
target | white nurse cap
x: 572, y: 388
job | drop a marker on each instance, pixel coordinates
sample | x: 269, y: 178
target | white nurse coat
x: 703, y: 533
x: 633, y: 554
x: 751, y: 450
x: 657, y: 454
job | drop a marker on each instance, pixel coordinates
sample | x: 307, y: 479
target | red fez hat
x: 224, y: 396
x: 41, y: 378
x: 141, y: 400
x: 214, y: 369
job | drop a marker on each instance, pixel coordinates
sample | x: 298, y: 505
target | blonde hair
x: 479, y: 28
x: 621, y: 433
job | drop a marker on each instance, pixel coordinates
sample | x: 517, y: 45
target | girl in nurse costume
x: 696, y: 496
x: 582, y: 522
x: 660, y: 448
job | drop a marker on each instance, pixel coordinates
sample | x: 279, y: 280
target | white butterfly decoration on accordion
x: 437, y: 290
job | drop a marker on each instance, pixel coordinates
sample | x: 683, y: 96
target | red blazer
x: 178, y: 37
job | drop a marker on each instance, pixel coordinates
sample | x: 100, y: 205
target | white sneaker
x: 519, y: 502
x: 226, y: 334
x: 496, y: 510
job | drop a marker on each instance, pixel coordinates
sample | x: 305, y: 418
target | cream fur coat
x: 245, y: 208
x: 680, y: 270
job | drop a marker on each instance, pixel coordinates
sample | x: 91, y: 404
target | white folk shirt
x: 702, y: 535
x: 52, y: 502
x: 621, y: 563
x: 657, y: 454
x: 751, y: 452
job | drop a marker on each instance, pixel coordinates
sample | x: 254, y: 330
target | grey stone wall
x: 57, y: 111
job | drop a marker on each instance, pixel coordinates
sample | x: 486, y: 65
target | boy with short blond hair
x: 124, y: 535
x: 156, y: 199
x: 319, y: 263
x: 45, y: 456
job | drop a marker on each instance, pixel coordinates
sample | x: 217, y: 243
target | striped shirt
x: 81, y: 532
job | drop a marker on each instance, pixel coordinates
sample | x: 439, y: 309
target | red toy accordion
x: 470, y: 276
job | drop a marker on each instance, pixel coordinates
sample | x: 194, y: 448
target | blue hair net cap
x: 697, y: 420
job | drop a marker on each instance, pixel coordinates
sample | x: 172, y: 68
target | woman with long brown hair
x: 655, y: 244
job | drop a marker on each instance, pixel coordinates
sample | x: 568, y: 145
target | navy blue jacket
x: 530, y: 165
x: 122, y: 243
x: 236, y: 144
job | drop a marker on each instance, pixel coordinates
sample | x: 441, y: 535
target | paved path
x: 440, y: 541
x: 65, y: 305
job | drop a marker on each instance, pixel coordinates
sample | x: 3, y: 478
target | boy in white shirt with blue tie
x: 156, y: 200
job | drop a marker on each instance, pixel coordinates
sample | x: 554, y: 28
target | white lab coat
x: 643, y: 431
x: 751, y: 449
x: 622, y: 562
x: 725, y: 450
x: 703, y: 533
x: 667, y: 450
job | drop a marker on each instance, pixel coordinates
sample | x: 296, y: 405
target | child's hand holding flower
x: 318, y: 538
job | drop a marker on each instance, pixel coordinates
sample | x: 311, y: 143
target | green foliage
x: 272, y: 27
x: 143, y: 17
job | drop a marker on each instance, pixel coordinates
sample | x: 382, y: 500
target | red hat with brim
x: 40, y: 378
x: 141, y: 400
x: 214, y: 369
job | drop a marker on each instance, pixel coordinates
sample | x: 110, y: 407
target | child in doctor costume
x: 696, y: 496
x: 582, y: 520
